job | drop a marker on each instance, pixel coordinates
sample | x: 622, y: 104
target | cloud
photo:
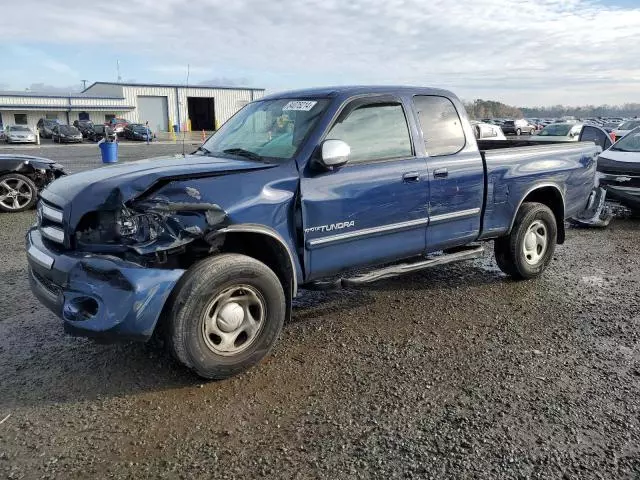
x: 546, y: 51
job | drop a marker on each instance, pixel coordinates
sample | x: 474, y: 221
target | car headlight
x: 139, y: 228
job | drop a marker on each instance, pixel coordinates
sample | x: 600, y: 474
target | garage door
x: 154, y: 110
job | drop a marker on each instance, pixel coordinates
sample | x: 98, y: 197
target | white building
x: 163, y: 106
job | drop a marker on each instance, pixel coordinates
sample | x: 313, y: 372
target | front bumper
x: 623, y: 188
x: 98, y: 296
x: 21, y: 140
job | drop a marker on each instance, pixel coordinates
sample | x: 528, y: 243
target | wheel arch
x: 548, y: 194
x: 267, y: 246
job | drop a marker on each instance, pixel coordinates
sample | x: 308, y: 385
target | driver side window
x: 374, y: 132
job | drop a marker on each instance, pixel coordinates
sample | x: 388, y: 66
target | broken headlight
x: 139, y: 228
x: 124, y: 227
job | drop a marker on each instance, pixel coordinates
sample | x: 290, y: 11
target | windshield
x: 270, y: 128
x: 18, y: 128
x: 629, y: 143
x: 629, y: 125
x: 556, y: 130
x: 138, y: 128
x: 68, y: 130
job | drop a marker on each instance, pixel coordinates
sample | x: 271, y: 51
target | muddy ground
x: 457, y: 372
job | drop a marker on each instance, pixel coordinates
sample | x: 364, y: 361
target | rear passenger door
x: 374, y: 208
x: 456, y: 174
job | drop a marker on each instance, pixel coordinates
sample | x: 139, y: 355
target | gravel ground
x: 456, y: 372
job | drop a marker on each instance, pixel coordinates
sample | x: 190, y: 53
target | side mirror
x: 334, y: 154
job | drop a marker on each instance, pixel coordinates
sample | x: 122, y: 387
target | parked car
x: 559, y: 132
x: 66, y: 134
x: 98, y: 132
x: 22, y: 177
x: 487, y: 131
x: 610, y: 126
x: 518, y: 127
x: 619, y: 171
x: 45, y: 127
x: 85, y: 126
x: 310, y: 188
x: 118, y: 125
x: 138, y: 131
x: 625, y: 127
x: 19, y: 134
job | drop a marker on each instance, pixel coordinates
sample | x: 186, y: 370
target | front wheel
x: 532, y: 131
x: 518, y: 132
x: 225, y: 315
x: 527, y: 251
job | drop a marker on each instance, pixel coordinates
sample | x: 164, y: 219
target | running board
x: 464, y: 253
x: 401, y: 269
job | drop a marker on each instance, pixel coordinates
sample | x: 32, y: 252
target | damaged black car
x: 22, y: 177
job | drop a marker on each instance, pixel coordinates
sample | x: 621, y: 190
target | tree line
x: 479, y: 109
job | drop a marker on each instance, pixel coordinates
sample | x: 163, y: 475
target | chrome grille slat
x: 51, y: 213
x: 53, y: 234
x: 50, y: 222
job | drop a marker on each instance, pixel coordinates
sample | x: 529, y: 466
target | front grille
x: 47, y: 284
x: 50, y: 222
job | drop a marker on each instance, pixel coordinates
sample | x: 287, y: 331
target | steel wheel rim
x: 233, y: 320
x: 15, y: 193
x: 535, y: 243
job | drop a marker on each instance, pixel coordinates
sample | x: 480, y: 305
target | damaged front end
x: 110, y: 275
x: 152, y: 232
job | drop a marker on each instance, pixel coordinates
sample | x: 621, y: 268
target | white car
x: 559, y: 132
x: 487, y: 131
x: 19, y: 134
x: 625, y: 127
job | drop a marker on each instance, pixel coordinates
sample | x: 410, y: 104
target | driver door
x: 375, y: 208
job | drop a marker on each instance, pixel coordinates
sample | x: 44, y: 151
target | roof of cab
x: 356, y: 90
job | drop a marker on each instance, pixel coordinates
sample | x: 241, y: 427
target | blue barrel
x: 109, y: 151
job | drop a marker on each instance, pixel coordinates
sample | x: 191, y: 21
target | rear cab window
x: 441, y: 125
x: 375, y: 131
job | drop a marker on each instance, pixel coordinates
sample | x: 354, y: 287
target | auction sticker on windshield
x: 299, y: 105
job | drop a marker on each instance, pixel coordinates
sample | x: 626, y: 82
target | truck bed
x: 516, y: 167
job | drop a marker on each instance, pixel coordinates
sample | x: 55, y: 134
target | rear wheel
x: 17, y: 193
x: 528, y: 249
x: 225, y: 315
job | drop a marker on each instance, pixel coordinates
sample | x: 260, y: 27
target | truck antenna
x: 184, y: 133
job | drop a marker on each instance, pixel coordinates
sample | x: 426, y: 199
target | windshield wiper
x: 202, y: 149
x: 241, y: 152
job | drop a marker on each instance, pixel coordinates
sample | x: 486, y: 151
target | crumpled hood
x: 133, y: 178
x: 116, y: 184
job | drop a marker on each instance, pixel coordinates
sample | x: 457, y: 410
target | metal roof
x: 67, y: 108
x: 171, y: 85
x: 80, y: 95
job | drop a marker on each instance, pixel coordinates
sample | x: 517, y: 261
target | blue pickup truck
x: 305, y: 189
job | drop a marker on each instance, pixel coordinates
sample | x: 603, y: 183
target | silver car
x: 19, y: 134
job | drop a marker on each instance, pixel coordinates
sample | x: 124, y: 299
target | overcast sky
x: 520, y: 52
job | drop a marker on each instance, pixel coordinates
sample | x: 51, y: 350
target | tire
x: 522, y: 256
x: 26, y: 197
x: 532, y: 131
x: 203, y: 293
x: 518, y: 132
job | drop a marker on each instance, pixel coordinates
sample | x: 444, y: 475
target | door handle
x: 411, y: 177
x: 440, y: 173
